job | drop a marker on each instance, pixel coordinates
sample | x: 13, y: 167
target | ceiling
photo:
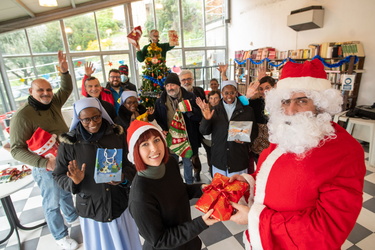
x: 16, y: 14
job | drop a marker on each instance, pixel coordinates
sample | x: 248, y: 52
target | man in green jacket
x: 154, y: 38
x: 43, y: 109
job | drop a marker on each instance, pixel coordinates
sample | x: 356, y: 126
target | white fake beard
x: 301, y: 132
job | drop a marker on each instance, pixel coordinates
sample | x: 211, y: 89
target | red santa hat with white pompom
x: 307, y: 76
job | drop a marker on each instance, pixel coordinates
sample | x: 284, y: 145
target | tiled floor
x: 220, y: 236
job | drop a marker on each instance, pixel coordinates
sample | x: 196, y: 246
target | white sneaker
x: 67, y: 243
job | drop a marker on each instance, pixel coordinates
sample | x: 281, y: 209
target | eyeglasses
x: 300, y: 101
x: 229, y: 93
x: 115, y: 77
x: 186, y: 80
x: 96, y: 118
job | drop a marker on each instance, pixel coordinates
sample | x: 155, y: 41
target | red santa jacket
x: 105, y: 94
x: 309, y: 203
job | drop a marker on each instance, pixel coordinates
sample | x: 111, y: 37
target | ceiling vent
x: 306, y: 18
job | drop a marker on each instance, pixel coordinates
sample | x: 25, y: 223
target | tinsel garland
x: 159, y: 82
x: 329, y: 65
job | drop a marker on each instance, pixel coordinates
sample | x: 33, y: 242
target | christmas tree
x: 154, y: 74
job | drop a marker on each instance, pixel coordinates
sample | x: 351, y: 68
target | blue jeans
x: 55, y: 198
x: 226, y: 173
x: 188, y: 168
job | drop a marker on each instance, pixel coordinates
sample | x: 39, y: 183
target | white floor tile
x: 367, y: 219
x: 229, y: 243
x: 367, y: 243
x: 234, y: 228
x: 33, y: 202
x: 370, y: 178
x: 347, y: 244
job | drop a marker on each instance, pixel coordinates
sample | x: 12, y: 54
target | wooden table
x: 6, y: 189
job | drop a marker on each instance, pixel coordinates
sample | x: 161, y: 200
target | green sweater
x: 141, y: 55
x: 26, y: 120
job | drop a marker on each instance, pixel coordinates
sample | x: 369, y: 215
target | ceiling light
x: 48, y: 3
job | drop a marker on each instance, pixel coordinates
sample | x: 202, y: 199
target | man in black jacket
x: 165, y: 108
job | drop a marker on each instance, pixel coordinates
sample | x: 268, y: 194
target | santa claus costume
x: 311, y: 199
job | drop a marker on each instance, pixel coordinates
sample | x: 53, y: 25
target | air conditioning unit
x: 307, y: 18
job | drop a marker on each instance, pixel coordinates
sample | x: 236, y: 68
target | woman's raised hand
x: 205, y: 108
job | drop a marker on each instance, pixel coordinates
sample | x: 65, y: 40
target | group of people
x: 305, y: 191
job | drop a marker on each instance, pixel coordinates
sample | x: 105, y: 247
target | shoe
x: 197, y: 177
x: 67, y: 243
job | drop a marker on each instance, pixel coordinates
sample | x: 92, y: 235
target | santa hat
x: 126, y: 94
x: 135, y: 130
x: 124, y: 69
x: 226, y: 83
x: 172, y: 78
x: 42, y: 143
x: 307, y: 76
x: 89, y: 102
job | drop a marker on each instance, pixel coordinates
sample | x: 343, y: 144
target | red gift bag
x: 43, y: 143
x: 218, y: 195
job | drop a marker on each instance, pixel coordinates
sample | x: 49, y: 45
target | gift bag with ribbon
x: 177, y: 138
x: 43, y: 143
x: 218, y: 196
x: 108, y: 165
x: 135, y: 35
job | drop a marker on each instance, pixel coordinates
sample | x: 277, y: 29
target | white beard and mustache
x: 300, y: 132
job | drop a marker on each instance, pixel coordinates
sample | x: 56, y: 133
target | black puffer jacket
x: 228, y: 154
x: 101, y: 202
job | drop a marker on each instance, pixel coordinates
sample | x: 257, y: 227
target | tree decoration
x: 154, y: 74
x: 110, y: 64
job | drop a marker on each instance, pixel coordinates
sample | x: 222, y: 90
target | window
x: 100, y: 37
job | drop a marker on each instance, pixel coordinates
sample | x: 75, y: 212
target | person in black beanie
x: 125, y: 81
x: 165, y: 108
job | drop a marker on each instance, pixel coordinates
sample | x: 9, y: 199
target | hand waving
x: 89, y: 69
x: 75, y: 173
x: 62, y: 62
x: 252, y: 90
x: 205, y: 108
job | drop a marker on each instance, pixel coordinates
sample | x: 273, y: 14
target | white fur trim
x: 245, y: 241
x: 251, y: 181
x: 135, y: 137
x: 257, y: 208
x: 253, y: 220
x: 305, y: 83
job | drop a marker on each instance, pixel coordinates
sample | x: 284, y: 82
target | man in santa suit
x: 307, y: 190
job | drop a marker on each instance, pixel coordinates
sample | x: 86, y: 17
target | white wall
x: 264, y: 23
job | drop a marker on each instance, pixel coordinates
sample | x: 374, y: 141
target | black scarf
x: 95, y: 136
x: 38, y: 105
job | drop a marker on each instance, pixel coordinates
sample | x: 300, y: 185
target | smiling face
x: 152, y: 151
x: 114, y: 79
x: 93, y: 88
x: 214, y: 100
x: 229, y: 94
x: 172, y: 89
x: 263, y: 87
x: 131, y: 104
x: 214, y: 85
x: 154, y: 36
x: 41, y: 90
x: 91, y: 119
x: 187, y: 81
